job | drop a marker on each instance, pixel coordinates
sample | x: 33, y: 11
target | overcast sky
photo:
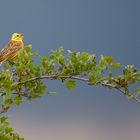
x: 109, y: 27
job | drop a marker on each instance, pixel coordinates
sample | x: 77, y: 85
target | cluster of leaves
x: 24, y: 79
x: 6, y: 132
x: 12, y: 90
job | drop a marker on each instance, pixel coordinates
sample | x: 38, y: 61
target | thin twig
x: 131, y: 96
x: 2, y: 93
x: 3, y: 111
x: 122, y: 91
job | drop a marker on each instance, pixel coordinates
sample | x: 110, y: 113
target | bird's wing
x: 11, y: 48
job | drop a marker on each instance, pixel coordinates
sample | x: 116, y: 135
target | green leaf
x: 33, y: 96
x: 137, y: 91
x: 7, y: 102
x: 17, y: 100
x: 84, y: 57
x: 3, y: 119
x: 125, y: 71
x: 70, y: 84
x: 28, y: 48
x: 92, y: 78
x: 109, y: 59
x: 116, y: 65
x: 102, y: 61
x: 110, y: 74
x: 6, y: 132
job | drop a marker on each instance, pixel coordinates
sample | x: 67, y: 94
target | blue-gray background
x: 109, y: 27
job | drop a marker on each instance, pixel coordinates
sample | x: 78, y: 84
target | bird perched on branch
x: 9, y: 52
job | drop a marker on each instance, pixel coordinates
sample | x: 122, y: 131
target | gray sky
x: 109, y: 27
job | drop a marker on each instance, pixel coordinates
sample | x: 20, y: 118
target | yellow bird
x: 9, y: 53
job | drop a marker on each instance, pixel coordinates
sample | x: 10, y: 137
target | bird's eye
x: 17, y: 35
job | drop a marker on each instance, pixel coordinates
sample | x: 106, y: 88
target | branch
x: 3, y: 94
x: 122, y: 91
x: 53, y: 77
x: 131, y: 96
x: 56, y: 77
x: 3, y: 111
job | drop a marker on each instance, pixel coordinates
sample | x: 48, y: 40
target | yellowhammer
x: 9, y: 53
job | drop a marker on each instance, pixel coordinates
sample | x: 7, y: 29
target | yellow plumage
x: 9, y: 53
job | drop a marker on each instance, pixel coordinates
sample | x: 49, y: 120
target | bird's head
x: 17, y: 37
